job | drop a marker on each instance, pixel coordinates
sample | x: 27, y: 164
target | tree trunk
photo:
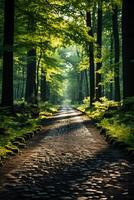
x: 80, y: 87
x: 91, y: 61
x: 111, y: 62
x: 37, y: 75
x: 23, y: 82
x: 99, y: 52
x: 128, y: 45
x: 7, y: 83
x: 30, y: 95
x: 86, y: 83
x: 116, y: 53
x: 44, y: 87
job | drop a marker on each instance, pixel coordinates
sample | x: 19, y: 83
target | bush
x: 117, y: 120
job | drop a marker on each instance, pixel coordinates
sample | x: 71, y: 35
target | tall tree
x: 31, y: 96
x: 7, y: 84
x: 116, y: 53
x: 99, y: 51
x: 91, y: 60
x: 44, y: 86
x: 80, y: 86
x: 86, y: 83
x: 111, y: 62
x: 128, y: 45
x: 31, y: 77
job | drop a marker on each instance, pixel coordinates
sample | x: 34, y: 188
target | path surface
x: 68, y: 160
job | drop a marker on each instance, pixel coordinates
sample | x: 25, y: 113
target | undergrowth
x: 116, y: 119
x: 24, y: 119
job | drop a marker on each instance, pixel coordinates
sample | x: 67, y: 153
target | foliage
x: 116, y: 119
x: 100, y: 107
x: 47, y: 109
x: 23, y: 120
x: 85, y: 105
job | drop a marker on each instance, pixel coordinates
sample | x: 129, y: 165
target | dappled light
x: 66, y: 100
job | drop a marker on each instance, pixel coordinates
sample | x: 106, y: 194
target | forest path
x: 68, y: 160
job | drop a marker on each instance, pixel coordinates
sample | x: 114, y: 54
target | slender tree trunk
x: 80, y: 87
x: 7, y: 83
x: 99, y: 52
x: 37, y: 76
x: 128, y: 46
x: 44, y: 89
x: 86, y: 83
x: 23, y: 82
x: 91, y: 61
x: 111, y: 62
x: 116, y: 53
x: 30, y: 95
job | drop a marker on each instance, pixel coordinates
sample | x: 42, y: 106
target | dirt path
x: 68, y: 160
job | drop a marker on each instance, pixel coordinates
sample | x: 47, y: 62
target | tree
x: 7, y: 84
x: 44, y: 87
x: 31, y: 96
x: 128, y: 45
x: 31, y: 77
x: 99, y: 54
x: 91, y: 60
x: 116, y: 53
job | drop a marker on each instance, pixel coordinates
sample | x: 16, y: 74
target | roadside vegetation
x: 22, y: 124
x: 115, y: 120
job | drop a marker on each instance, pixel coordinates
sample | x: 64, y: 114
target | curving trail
x: 68, y: 160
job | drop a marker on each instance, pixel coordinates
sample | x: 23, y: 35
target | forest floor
x: 68, y: 160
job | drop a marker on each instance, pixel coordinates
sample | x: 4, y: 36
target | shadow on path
x: 104, y: 174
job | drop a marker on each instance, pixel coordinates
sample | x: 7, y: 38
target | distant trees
x: 68, y: 40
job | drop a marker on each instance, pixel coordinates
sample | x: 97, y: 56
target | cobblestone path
x: 68, y: 160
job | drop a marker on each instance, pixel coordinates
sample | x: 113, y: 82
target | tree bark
x: 7, y: 82
x: 128, y: 45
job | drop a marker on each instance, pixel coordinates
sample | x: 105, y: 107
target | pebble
x: 66, y: 198
x: 82, y: 198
